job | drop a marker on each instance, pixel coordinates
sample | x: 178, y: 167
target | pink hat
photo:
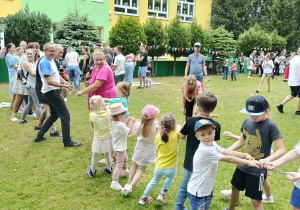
x: 150, y: 111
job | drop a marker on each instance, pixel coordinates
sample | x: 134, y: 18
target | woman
x: 241, y: 63
x: 19, y: 52
x: 73, y: 62
x: 190, y: 90
x: 101, y: 79
x: 268, y: 67
x: 108, y: 57
x: 29, y: 68
x: 86, y: 60
x: 129, y: 68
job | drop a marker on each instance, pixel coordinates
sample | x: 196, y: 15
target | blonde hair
x: 187, y: 87
x: 168, y: 124
x: 69, y: 49
x: 98, y: 53
x: 124, y: 88
x: 105, y: 50
x: 96, y: 103
x: 146, y: 126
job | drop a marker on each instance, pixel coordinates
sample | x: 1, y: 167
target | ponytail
x: 168, y: 124
x: 164, y: 135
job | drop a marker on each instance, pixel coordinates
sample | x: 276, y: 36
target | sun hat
x: 255, y: 105
x: 197, y: 44
x: 203, y: 122
x: 150, y: 111
x: 117, y: 108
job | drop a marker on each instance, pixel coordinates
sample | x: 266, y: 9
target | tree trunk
x: 156, y: 65
x: 153, y: 70
x: 174, y: 66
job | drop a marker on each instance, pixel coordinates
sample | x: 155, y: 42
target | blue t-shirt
x: 48, y: 68
x: 124, y: 101
x: 196, y: 64
x: 11, y: 60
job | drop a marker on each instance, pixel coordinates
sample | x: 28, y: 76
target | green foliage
x: 198, y: 34
x: 128, y: 33
x: 27, y: 26
x: 278, y: 42
x: 75, y: 29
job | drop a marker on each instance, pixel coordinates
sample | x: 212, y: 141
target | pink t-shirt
x: 190, y: 93
x: 107, y: 89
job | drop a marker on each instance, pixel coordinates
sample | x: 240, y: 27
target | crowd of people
x: 108, y: 79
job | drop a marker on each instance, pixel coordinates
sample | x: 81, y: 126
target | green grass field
x: 46, y: 175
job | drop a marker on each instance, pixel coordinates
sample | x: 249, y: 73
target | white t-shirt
x: 205, y: 166
x: 268, y: 67
x: 49, y: 68
x: 72, y: 58
x: 120, y: 63
x: 119, y: 135
x: 297, y: 148
x: 294, y: 74
x: 250, y: 67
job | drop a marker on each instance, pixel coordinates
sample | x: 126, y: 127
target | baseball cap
x: 255, y: 105
x: 197, y: 44
x: 150, y: 111
x: 203, y: 122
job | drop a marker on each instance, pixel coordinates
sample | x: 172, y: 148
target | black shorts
x: 252, y: 184
x: 295, y: 91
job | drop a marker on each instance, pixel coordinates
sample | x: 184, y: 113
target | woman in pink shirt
x: 101, y: 80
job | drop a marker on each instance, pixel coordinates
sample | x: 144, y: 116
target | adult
x: 241, y: 63
x: 196, y: 64
x: 267, y: 66
x: 28, y: 68
x: 111, y: 52
x: 276, y: 64
x: 62, y: 72
x: 51, y: 83
x: 86, y: 60
x: 101, y: 79
x: 261, y: 59
x: 294, y: 83
x: 190, y: 90
x: 119, y: 65
x: 253, y: 55
x: 109, y: 59
x: 91, y: 62
x: 129, y: 68
x: 73, y: 61
x: 143, y: 67
x: 23, y: 44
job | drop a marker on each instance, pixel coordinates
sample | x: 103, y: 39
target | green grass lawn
x: 46, y: 175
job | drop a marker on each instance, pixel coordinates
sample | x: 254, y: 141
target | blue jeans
x: 225, y: 74
x: 129, y: 69
x: 74, y: 71
x: 182, y: 192
x: 199, y: 77
x: 201, y: 203
x: 158, y: 174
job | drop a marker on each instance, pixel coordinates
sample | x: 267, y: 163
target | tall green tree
x: 27, y: 26
x: 278, y: 42
x: 128, y: 33
x: 198, y: 35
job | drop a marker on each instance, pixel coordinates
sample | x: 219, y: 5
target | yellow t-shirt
x: 102, y: 125
x: 167, y: 156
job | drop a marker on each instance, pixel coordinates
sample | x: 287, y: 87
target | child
x: 148, y: 75
x: 167, y: 159
x: 205, y: 165
x: 102, y: 142
x: 250, y: 66
x: 120, y: 132
x: 281, y: 70
x: 225, y: 75
x: 258, y: 134
x: 233, y: 71
x: 145, y: 149
x: 206, y: 103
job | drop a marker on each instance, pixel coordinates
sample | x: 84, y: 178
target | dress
x: 11, y: 60
x: 18, y: 88
x: 145, y: 149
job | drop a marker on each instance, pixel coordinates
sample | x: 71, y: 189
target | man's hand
x: 207, y: 79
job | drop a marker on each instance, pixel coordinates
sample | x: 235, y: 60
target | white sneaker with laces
x: 266, y: 199
x: 125, y: 173
x: 226, y: 193
x: 116, y: 186
x: 161, y: 197
x: 32, y: 115
x: 127, y: 190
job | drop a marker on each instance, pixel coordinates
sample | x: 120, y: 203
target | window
x: 185, y: 9
x: 158, y: 9
x: 127, y: 7
x: 98, y: 0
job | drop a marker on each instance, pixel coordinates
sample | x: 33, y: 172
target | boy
x: 148, y: 75
x: 205, y: 165
x: 206, y: 103
x: 233, y: 71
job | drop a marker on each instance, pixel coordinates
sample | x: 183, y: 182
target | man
x: 91, y: 62
x: 119, y: 66
x: 294, y: 83
x: 51, y: 83
x: 253, y: 55
x: 196, y: 63
x: 62, y: 73
x: 23, y: 44
x: 143, y: 67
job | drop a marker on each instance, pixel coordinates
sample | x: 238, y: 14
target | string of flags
x: 262, y: 49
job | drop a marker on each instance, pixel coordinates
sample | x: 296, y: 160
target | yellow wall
x: 8, y: 7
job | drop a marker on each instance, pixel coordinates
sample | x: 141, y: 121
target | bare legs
x: 142, y: 81
x: 262, y: 80
x: 13, y: 97
x: 136, y: 172
x: 16, y: 104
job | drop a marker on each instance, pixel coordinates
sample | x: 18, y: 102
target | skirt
x: 102, y: 146
x: 144, y: 153
x: 281, y: 71
x: 18, y: 88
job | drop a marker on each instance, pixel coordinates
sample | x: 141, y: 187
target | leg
x: 139, y: 172
x: 182, y: 192
x: 71, y: 73
x: 77, y: 77
x: 234, y: 74
x: 268, y: 81
x: 144, y: 81
x: 197, y: 203
x: 298, y: 104
x: 189, y: 106
x: 158, y: 174
x: 257, y: 204
x: 108, y: 161
x: 16, y: 105
x: 49, y: 122
x: 231, y: 75
x: 287, y: 99
x: 132, y: 171
x: 35, y: 101
x: 234, y: 198
x: 267, y: 188
x: 42, y: 118
x: 13, y: 97
x: 141, y: 80
x: 208, y: 200
x: 120, y: 156
x: 170, y: 174
x: 261, y: 81
x: 94, y: 161
x: 28, y: 106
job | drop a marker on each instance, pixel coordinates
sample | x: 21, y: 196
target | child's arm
x: 238, y: 154
x: 230, y: 135
x: 105, y: 100
x: 213, y: 115
x: 236, y: 160
x: 293, y: 176
x: 288, y: 157
x: 180, y: 136
x: 130, y: 122
x: 237, y: 144
x: 279, y: 152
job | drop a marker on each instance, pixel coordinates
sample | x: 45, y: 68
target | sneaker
x: 23, y: 122
x: 73, y: 144
x: 103, y: 161
x: 161, y: 197
x: 38, y: 140
x: 257, y: 91
x: 267, y: 200
x: 116, y: 187
x: 146, y: 86
x: 226, y: 193
x: 55, y: 134
x: 37, y: 128
x: 127, y: 190
x: 90, y: 171
x: 142, y: 200
x: 109, y: 172
x: 14, y: 119
x: 125, y: 173
x: 297, y: 113
x: 280, y: 108
x: 32, y: 115
x: 138, y: 87
x: 65, y: 99
x: 122, y: 191
x: 19, y: 112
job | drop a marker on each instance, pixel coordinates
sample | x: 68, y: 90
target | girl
x: 190, y: 90
x: 233, y: 71
x: 281, y: 70
x: 268, y: 68
x: 145, y: 149
x: 167, y: 159
x: 73, y: 61
x: 102, y: 142
x: 225, y: 70
x: 120, y: 130
x: 250, y: 66
x: 86, y: 60
x: 258, y: 134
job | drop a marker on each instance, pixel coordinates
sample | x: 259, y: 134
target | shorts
x: 142, y: 71
x: 252, y: 184
x: 148, y: 79
x: 295, y: 91
x: 295, y: 199
x: 268, y: 74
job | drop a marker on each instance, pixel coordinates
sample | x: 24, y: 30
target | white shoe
x: 226, y: 193
x: 14, y: 119
x: 103, y: 161
x: 267, y: 200
x: 19, y: 112
x: 32, y: 115
x: 161, y: 198
x: 125, y: 173
x: 116, y: 186
x: 127, y: 190
x: 65, y: 99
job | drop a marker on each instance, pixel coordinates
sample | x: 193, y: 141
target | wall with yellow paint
x: 9, y: 7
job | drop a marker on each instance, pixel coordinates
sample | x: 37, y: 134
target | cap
x: 117, y: 108
x: 255, y: 105
x: 150, y: 111
x: 197, y: 44
x: 203, y: 122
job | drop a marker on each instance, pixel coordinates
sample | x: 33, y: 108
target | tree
x: 27, y: 26
x: 75, y: 29
x: 156, y: 38
x: 278, y: 42
x: 198, y: 35
x: 179, y: 37
x: 128, y: 33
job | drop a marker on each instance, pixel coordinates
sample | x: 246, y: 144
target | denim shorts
x: 142, y: 71
x: 129, y: 69
x: 295, y: 199
x: 200, y: 202
x: 268, y: 74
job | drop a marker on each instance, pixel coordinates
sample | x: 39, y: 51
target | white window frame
x: 186, y: 15
x: 153, y: 10
x: 130, y: 6
x: 101, y: 1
